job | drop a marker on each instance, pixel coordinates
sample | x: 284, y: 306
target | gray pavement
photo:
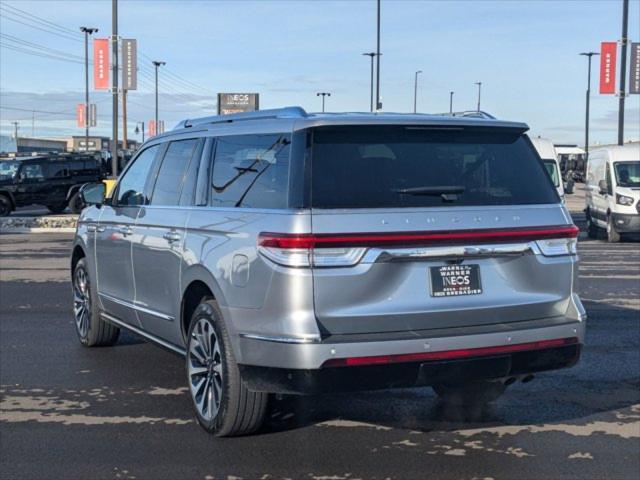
x: 123, y: 412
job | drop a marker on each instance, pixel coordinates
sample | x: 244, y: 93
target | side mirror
x: 602, y: 185
x: 92, y: 194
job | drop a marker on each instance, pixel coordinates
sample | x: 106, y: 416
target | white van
x: 547, y: 153
x: 613, y: 191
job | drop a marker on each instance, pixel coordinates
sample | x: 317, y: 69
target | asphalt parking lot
x: 123, y: 412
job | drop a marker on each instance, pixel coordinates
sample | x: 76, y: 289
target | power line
x: 19, y: 41
x: 53, y: 32
x: 38, y: 19
x: 38, y: 54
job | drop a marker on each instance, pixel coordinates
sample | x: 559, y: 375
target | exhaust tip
x: 509, y: 381
x: 528, y: 378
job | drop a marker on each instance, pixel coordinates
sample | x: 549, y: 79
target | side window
x: 251, y: 171
x: 33, y: 171
x: 131, y: 188
x: 57, y: 170
x: 172, y: 172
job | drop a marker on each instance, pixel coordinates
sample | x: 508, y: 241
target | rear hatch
x: 429, y: 227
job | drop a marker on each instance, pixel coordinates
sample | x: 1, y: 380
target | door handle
x: 125, y: 230
x: 171, y: 236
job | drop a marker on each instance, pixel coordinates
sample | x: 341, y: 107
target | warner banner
x: 129, y: 64
x: 634, y: 70
x: 608, y: 52
x: 81, y: 115
x: 101, y: 63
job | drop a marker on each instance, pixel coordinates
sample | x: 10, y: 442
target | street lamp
x: 415, y: 91
x: 588, y: 94
x: 323, y: 94
x: 372, y: 55
x: 378, y: 102
x: 479, y: 92
x: 87, y: 31
x: 137, y: 130
x: 157, y: 64
x: 451, y: 102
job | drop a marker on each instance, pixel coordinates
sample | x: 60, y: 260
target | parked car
x: 294, y: 253
x: 547, y: 153
x: 50, y: 180
x: 613, y: 191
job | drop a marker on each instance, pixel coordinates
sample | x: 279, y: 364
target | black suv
x: 50, y: 180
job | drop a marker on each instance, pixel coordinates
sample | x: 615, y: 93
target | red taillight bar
x: 491, y: 235
x: 449, y: 354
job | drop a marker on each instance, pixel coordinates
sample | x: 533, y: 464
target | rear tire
x: 612, y: 235
x: 5, y: 206
x: 223, y: 405
x: 58, y: 208
x: 593, y: 231
x: 477, y: 392
x: 75, y: 203
x: 92, y: 330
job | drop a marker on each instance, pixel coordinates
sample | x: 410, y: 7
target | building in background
x: 76, y: 143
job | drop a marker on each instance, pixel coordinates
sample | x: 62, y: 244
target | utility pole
x: 323, y: 94
x: 588, y: 94
x: 114, y: 86
x: 372, y: 55
x: 451, y: 102
x: 87, y: 31
x: 378, y: 102
x: 415, y: 91
x: 33, y: 123
x: 479, y: 93
x: 157, y: 64
x: 623, y: 70
x: 124, y: 118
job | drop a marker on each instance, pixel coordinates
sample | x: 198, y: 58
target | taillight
x: 347, y: 249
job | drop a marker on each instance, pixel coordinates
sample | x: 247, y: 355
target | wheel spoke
x: 199, y: 370
x: 195, y: 346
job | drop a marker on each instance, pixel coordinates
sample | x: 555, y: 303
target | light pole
x: 372, y: 55
x: 415, y: 91
x: 623, y: 69
x: 378, y: 102
x: 87, y: 31
x: 157, y: 64
x: 323, y: 94
x: 114, y: 88
x: 137, y: 131
x: 479, y: 93
x: 586, y: 116
x: 451, y: 102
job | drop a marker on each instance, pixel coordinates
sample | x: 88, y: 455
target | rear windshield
x: 405, y: 166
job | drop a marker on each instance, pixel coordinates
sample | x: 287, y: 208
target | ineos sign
x: 237, y: 102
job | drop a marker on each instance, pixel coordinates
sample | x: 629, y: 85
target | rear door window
x: 172, y: 172
x: 251, y: 171
x: 407, y: 166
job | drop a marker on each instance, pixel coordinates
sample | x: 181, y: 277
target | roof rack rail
x: 470, y: 114
x: 286, y: 112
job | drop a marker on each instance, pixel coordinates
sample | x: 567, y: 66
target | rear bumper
x: 414, y: 374
x: 626, y: 223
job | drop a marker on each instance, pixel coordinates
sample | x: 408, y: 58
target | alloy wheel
x: 81, y: 301
x: 204, y: 365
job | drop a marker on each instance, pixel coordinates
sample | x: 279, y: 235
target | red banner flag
x: 608, y: 52
x: 101, y: 63
x: 152, y: 128
x: 81, y: 115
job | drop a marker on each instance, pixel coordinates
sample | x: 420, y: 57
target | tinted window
x: 172, y: 172
x: 32, y: 171
x: 389, y: 166
x: 131, y: 188
x: 552, y: 170
x: 251, y: 171
x: 58, y: 170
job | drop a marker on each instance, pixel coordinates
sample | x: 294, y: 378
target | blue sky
x: 524, y: 52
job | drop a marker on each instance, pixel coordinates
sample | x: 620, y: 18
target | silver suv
x: 294, y: 253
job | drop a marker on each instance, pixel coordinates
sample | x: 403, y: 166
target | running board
x: 152, y: 338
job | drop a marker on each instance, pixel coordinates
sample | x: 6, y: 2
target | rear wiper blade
x: 436, y: 190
